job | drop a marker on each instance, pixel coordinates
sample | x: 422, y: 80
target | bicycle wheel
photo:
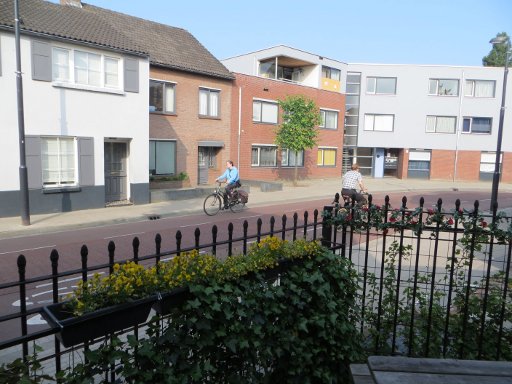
x: 237, y: 206
x: 212, y: 204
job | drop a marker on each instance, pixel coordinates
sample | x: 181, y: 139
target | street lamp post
x: 496, y: 175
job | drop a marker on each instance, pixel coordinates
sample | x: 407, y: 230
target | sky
x: 444, y: 32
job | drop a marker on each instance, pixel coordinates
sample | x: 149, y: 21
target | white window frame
x: 257, y: 111
x: 470, y: 118
x: 472, y: 85
x: 433, y: 122
x: 437, y: 91
x: 371, y: 120
x: 285, y: 157
x: 212, y: 109
x: 375, y: 81
x: 488, y: 161
x: 331, y: 73
x: 59, y: 182
x: 322, y: 151
x: 323, y: 114
x: 164, y: 85
x: 259, y: 147
x: 71, y: 67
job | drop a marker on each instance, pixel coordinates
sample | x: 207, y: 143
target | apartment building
x: 263, y: 78
x: 85, y: 90
x: 420, y: 121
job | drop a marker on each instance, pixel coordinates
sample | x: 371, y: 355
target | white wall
x: 53, y: 110
x: 412, y: 104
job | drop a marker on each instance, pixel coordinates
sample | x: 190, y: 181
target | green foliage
x: 298, y: 131
x: 179, y: 177
x: 24, y: 372
x: 289, y: 318
x: 496, y: 57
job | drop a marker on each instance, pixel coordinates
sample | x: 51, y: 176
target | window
x: 58, y: 158
x: 267, y: 68
x: 264, y: 111
x: 440, y: 124
x: 480, y: 88
x: 331, y: 73
x: 209, y: 102
x: 382, y: 123
x: 162, y: 97
x: 328, y: 119
x: 162, y: 157
x: 326, y: 157
x: 381, y: 85
x: 85, y: 68
x: 477, y: 125
x: 292, y: 158
x: 487, y: 165
x: 264, y: 156
x: 443, y: 87
x: 419, y: 164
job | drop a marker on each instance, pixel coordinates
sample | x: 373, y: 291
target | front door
x: 115, y: 172
x: 203, y: 165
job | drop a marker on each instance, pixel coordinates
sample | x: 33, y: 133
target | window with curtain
x: 381, y: 85
x: 162, y: 96
x: 480, y: 88
x: 162, y: 157
x: 331, y: 73
x: 328, y: 119
x: 209, y: 102
x: 264, y: 156
x: 383, y: 123
x: 326, y: 157
x: 59, y: 161
x: 443, y: 87
x: 111, y: 78
x: 87, y: 68
x: 264, y: 112
x: 292, y: 158
x: 441, y: 124
x: 477, y: 125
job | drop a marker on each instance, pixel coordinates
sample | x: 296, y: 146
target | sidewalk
x: 311, y: 189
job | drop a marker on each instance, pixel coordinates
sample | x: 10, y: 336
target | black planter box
x: 172, y: 299
x: 74, y: 330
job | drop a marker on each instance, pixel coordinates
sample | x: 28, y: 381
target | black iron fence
x: 433, y: 282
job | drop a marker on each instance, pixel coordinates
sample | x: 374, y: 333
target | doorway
x: 115, y: 171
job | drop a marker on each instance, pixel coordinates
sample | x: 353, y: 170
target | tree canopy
x: 298, y: 131
x: 496, y: 57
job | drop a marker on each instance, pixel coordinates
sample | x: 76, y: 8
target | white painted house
x: 85, y: 96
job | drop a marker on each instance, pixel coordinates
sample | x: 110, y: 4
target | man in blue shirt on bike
x: 232, y: 179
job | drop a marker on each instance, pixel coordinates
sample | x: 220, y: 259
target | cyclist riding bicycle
x: 351, y: 181
x: 232, y: 179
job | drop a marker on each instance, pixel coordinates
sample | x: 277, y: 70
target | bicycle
x: 214, y: 202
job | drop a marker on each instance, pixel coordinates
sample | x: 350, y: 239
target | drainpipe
x: 458, y: 127
x: 239, y: 124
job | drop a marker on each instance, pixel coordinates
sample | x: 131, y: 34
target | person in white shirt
x: 353, y: 181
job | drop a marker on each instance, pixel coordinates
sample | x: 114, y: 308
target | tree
x: 298, y: 131
x: 496, y: 57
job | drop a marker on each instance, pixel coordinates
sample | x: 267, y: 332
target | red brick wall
x: 506, y: 176
x: 468, y: 166
x: 186, y: 127
x: 442, y: 164
x: 257, y: 133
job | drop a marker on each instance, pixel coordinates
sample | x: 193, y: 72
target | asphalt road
x: 37, y: 248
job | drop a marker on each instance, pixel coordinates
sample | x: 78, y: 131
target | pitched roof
x: 167, y: 46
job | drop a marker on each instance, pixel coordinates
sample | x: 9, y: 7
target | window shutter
x: 33, y: 160
x: 85, y: 161
x: 41, y: 61
x: 131, y: 75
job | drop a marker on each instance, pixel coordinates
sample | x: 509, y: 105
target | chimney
x: 73, y: 3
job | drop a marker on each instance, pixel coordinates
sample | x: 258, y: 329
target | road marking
x: 45, y: 292
x: 36, y: 320
x: 195, y: 225
x: 249, y: 217
x: 18, y: 304
x: 67, y: 280
x: 29, y: 249
x: 128, y: 234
